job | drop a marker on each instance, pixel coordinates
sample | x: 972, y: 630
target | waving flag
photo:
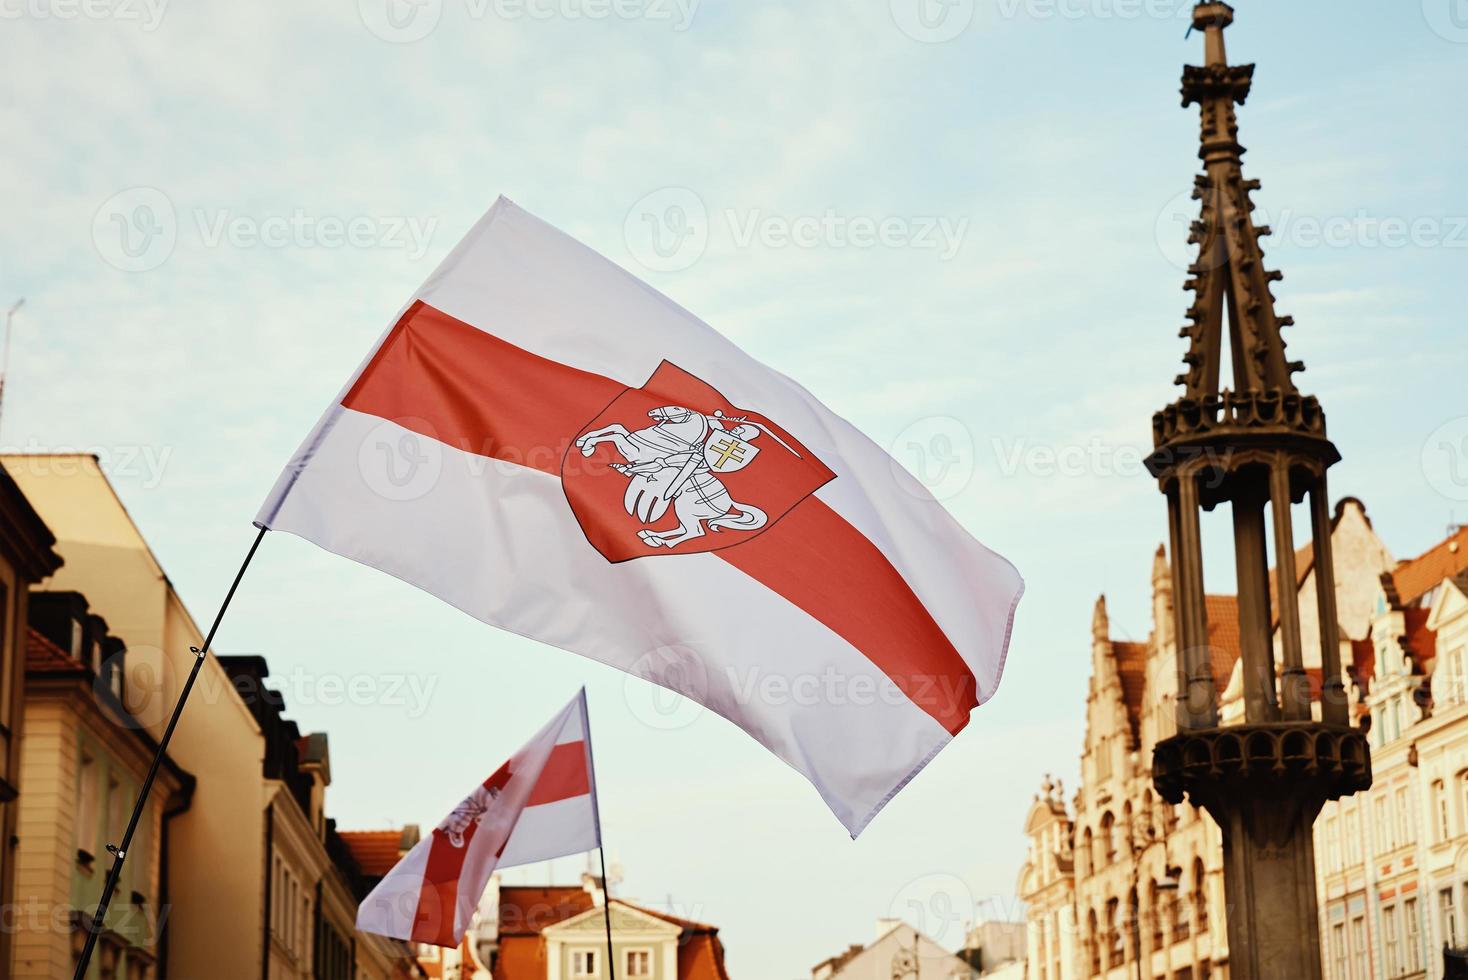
x: 555, y: 448
x: 539, y: 805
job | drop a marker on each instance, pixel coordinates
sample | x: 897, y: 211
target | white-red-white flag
x: 539, y: 805
x: 552, y: 446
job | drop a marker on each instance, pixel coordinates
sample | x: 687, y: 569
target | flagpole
x: 119, y: 851
x: 606, y: 891
x: 601, y: 850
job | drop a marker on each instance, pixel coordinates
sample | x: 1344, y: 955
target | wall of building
x: 107, y: 559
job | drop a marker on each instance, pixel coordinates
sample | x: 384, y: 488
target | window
x: 114, y: 811
x: 1441, y: 825
x: 639, y: 963
x: 1331, y: 844
x: 1200, y: 895
x: 1413, y: 929
x: 1404, y: 818
x: 583, y: 963
x: 1108, y: 839
x: 86, y: 807
x: 1103, y: 760
x: 1353, y: 835
x: 1383, y: 825
x: 1390, y: 941
x: 1449, y: 917
x: 1338, y: 950
x: 1358, y: 949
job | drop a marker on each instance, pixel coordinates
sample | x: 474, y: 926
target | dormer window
x: 639, y: 963
x: 583, y: 963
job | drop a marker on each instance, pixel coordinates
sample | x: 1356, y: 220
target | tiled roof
x: 525, y: 911
x: 375, y: 851
x: 1131, y: 667
x: 1421, y: 642
x: 1224, y: 645
x: 43, y: 655
x: 1415, y: 577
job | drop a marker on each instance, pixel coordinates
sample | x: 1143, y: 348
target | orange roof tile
x: 43, y: 655
x: 1224, y: 645
x: 375, y: 851
x: 1415, y: 577
x: 1421, y: 642
x: 525, y: 910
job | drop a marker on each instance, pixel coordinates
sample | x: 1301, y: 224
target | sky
x: 214, y: 208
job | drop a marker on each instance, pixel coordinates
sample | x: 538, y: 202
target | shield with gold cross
x: 727, y: 453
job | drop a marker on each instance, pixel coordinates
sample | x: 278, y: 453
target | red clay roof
x: 43, y: 655
x: 375, y: 851
x: 1131, y: 667
x: 526, y: 910
x: 1415, y: 577
x: 1224, y: 645
x: 1421, y: 641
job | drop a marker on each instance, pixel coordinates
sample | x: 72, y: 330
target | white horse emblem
x: 675, y: 461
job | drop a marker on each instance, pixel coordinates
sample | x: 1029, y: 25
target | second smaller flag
x: 539, y: 805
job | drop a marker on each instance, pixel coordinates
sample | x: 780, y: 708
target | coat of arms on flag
x: 676, y: 444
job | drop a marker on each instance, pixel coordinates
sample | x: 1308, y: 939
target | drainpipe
x: 186, y: 800
x: 269, y: 879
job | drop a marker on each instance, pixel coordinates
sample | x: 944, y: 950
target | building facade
x: 235, y: 872
x: 558, y: 932
x: 1115, y: 879
x: 27, y: 556
x: 85, y: 757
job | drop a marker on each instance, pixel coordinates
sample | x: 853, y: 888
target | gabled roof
x: 1415, y: 577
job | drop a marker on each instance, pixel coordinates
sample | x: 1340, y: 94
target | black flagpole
x: 606, y: 891
x: 119, y: 851
x: 601, y: 850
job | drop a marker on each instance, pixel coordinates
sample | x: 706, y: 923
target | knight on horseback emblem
x: 674, y: 468
x: 677, y: 461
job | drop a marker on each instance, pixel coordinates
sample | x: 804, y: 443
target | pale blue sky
x: 1045, y: 134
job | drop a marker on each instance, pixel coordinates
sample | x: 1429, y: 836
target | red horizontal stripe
x: 565, y: 776
x: 828, y: 568
x: 442, y: 378
x: 451, y: 381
